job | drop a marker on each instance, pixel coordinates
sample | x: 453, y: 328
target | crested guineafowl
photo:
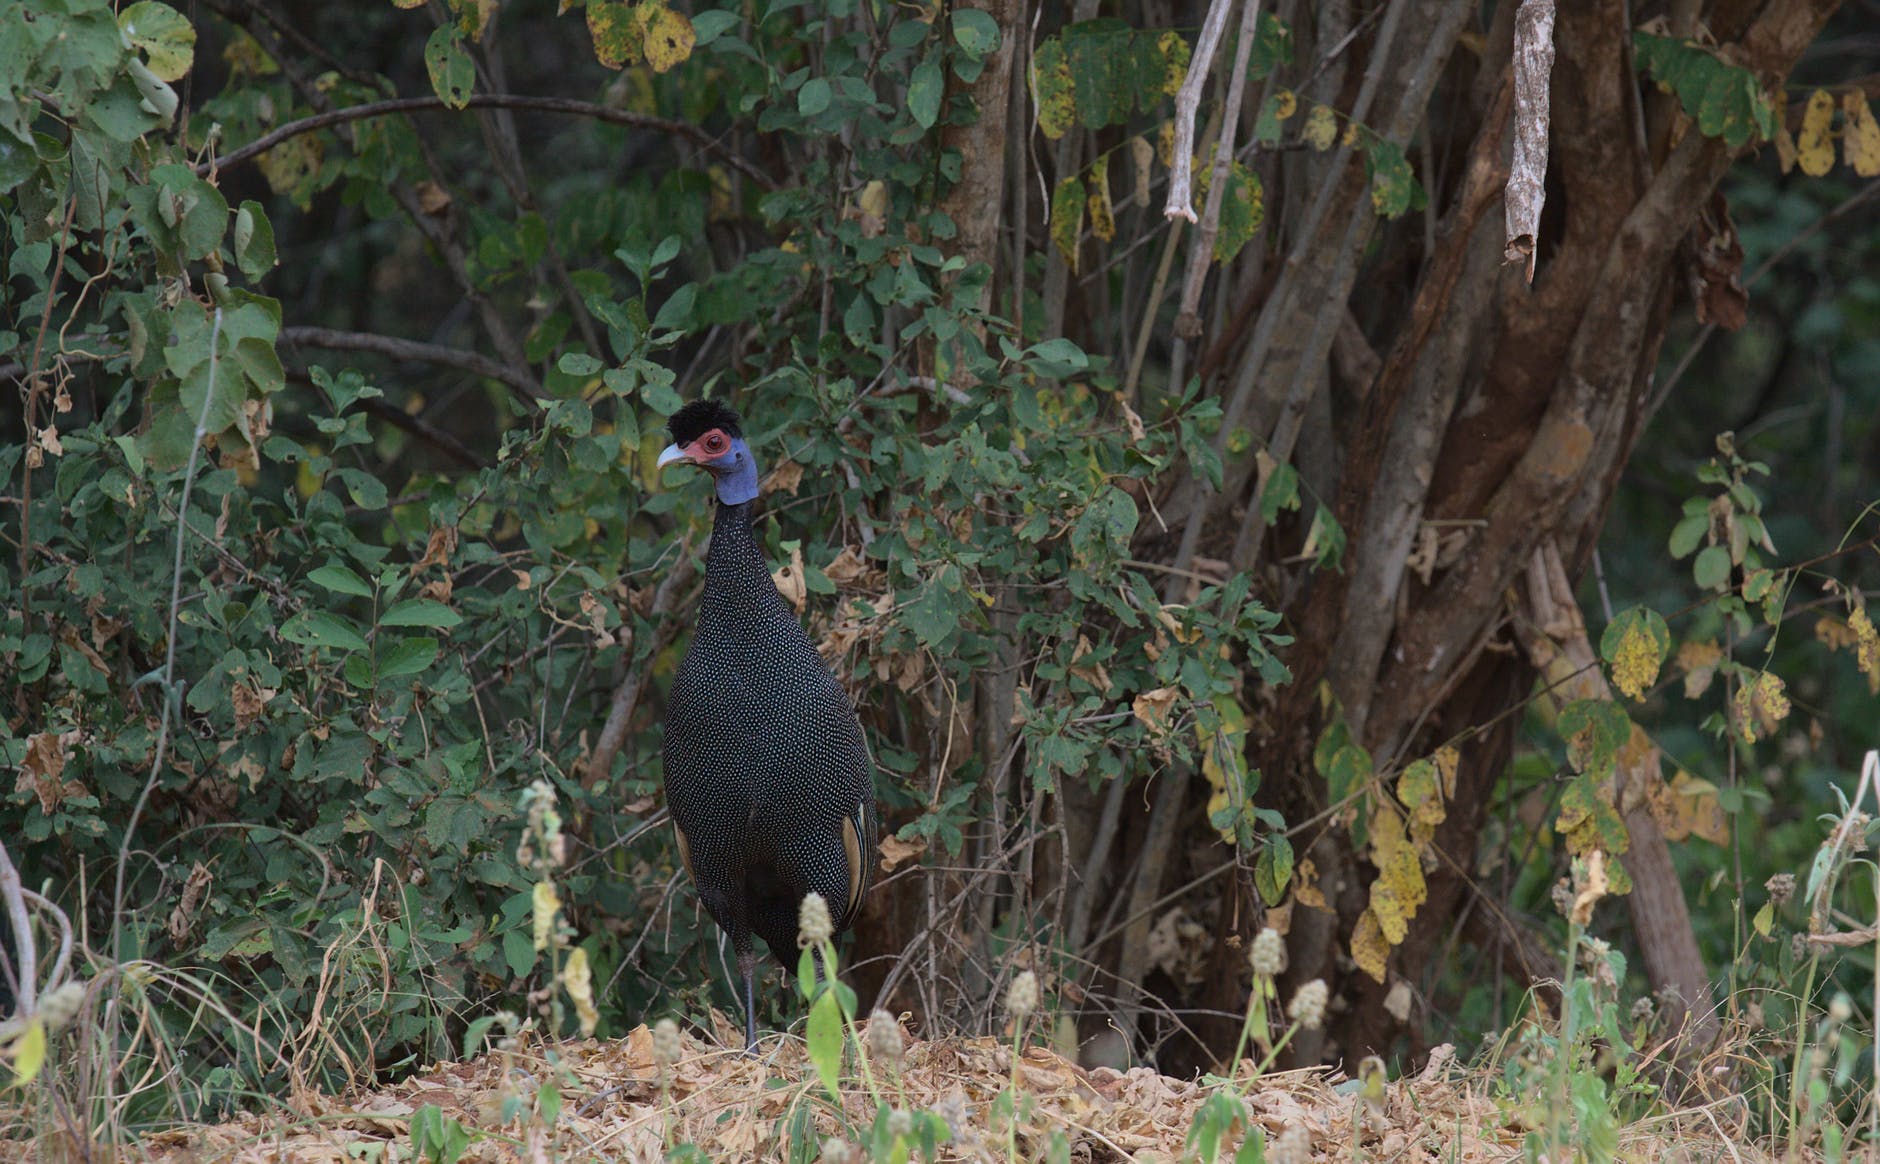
x: 768, y: 775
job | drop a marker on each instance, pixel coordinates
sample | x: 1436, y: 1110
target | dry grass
x: 737, y: 1108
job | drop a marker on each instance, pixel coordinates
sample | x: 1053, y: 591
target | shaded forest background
x: 1189, y: 579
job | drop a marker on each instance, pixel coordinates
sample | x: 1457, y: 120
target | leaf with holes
x: 453, y: 74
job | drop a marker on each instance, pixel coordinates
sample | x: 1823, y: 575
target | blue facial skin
x: 735, y: 469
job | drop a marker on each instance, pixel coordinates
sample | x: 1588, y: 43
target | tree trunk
x: 1505, y: 413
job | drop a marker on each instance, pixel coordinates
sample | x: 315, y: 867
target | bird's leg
x: 747, y: 967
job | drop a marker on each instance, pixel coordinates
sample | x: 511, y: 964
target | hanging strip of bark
x: 1187, y: 323
x: 1527, y: 176
x: 1180, y: 202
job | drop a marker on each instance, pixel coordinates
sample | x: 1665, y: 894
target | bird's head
x: 706, y: 433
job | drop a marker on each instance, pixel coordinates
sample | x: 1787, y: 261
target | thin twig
x: 564, y: 105
x: 404, y: 349
x: 1201, y: 250
x: 1180, y: 202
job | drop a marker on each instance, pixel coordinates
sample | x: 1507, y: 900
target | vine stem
x: 169, y: 696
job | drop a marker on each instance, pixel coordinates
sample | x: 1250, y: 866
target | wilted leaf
x: 1634, y: 645
x: 1052, y: 90
x: 1762, y: 702
x: 1698, y: 661
x: 578, y: 980
x: 1153, y: 708
x: 667, y: 37
x: 1321, y: 129
x: 544, y: 905
x: 1860, y: 140
x: 1102, y: 213
x: 1067, y: 219
x: 1814, y: 150
x: 789, y: 580
x: 894, y: 851
x: 616, y: 33
x: 1368, y: 947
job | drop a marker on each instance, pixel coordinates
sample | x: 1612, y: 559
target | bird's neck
x: 738, y: 587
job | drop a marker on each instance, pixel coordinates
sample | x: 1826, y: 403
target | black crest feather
x: 700, y: 417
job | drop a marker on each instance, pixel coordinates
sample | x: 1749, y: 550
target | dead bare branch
x: 1527, y: 176
x: 1180, y: 202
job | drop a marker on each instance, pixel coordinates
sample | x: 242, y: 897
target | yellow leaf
x: 1765, y: 919
x: 1067, y: 219
x: 1052, y: 89
x: 1866, y: 645
x: 1165, y: 144
x: 1224, y: 759
x: 1368, y: 947
x: 1761, y: 703
x: 1815, y: 150
x: 616, y: 32
x: 1285, y: 104
x: 1861, y: 145
x: 1143, y: 154
x: 1175, y: 53
x: 1102, y: 213
x: 578, y: 980
x: 1635, y: 662
x: 1320, y: 131
x: 29, y: 1052
x: 668, y: 36
x: 545, y: 906
x: 289, y: 164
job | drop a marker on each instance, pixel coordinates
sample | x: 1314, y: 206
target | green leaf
x: 824, y: 1035
x: 925, y: 92
x: 976, y: 32
x: 578, y: 364
x: 1101, y: 57
x: 1393, y: 183
x: 1688, y: 532
x: 1725, y: 100
x: 453, y: 73
x: 1243, y: 210
x: 1281, y: 493
x: 164, y: 34
x: 420, y: 612
x: 814, y: 97
x: 1272, y: 873
x: 340, y: 580
x: 407, y: 657
x: 709, y: 26
x: 1711, y: 570
x: 254, y: 241
x: 317, y: 628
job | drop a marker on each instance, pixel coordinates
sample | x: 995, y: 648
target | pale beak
x: 673, y: 455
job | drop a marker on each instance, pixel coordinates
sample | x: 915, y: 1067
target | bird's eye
x: 715, y: 443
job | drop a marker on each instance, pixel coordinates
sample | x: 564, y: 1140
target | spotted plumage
x: 768, y: 775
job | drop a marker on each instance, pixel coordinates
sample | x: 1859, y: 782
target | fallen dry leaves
x: 737, y: 1107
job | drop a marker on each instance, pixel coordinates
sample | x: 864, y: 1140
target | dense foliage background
x: 1183, y: 575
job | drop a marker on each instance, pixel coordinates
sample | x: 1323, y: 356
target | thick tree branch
x: 404, y: 349
x: 515, y: 101
x: 666, y: 628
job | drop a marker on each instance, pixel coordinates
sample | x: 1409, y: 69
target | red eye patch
x: 713, y: 444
